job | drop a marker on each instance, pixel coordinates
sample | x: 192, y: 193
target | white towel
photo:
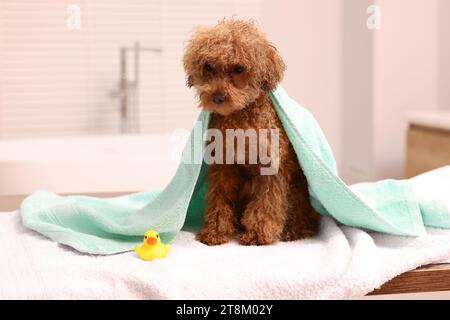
x: 341, y: 262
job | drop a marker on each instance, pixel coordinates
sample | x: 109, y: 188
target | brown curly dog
x: 233, y: 67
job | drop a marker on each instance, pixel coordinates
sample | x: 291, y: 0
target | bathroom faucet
x: 129, y: 112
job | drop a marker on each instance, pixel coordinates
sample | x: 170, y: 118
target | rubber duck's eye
x: 145, y: 237
x: 157, y: 235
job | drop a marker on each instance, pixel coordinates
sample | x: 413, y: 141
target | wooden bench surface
x: 429, y: 278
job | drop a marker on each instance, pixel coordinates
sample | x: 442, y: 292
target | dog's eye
x: 208, y: 67
x: 238, y: 69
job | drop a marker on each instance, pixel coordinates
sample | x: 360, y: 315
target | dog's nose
x: 218, y: 98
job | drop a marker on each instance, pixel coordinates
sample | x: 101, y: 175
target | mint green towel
x: 106, y: 226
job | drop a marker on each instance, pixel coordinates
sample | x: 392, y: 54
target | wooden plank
x: 10, y: 203
x: 425, y: 279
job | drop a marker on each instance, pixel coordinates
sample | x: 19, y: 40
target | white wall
x: 357, y: 104
x: 402, y: 66
x: 444, y: 54
x: 307, y: 33
x: 405, y: 76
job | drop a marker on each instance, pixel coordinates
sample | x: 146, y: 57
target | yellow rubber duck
x: 152, y: 248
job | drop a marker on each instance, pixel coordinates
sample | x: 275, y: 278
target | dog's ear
x: 189, y: 81
x: 273, y: 69
x: 191, y: 57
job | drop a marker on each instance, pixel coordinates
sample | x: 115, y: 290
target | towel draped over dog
x: 112, y: 225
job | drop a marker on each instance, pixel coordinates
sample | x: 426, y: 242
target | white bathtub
x: 91, y: 164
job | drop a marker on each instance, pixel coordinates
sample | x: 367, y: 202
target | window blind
x: 60, y: 78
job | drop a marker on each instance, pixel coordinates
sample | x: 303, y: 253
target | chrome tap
x: 129, y: 90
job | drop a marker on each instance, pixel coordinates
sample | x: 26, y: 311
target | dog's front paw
x: 252, y: 238
x: 212, y: 238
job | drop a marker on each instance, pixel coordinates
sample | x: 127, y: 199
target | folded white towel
x: 341, y: 262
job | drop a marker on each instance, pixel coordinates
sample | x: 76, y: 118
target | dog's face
x: 231, y: 65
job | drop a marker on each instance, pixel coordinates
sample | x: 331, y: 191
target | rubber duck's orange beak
x: 151, y: 240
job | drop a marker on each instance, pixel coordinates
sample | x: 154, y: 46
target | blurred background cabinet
x: 428, y: 142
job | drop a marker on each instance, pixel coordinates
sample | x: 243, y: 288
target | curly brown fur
x: 233, y: 67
